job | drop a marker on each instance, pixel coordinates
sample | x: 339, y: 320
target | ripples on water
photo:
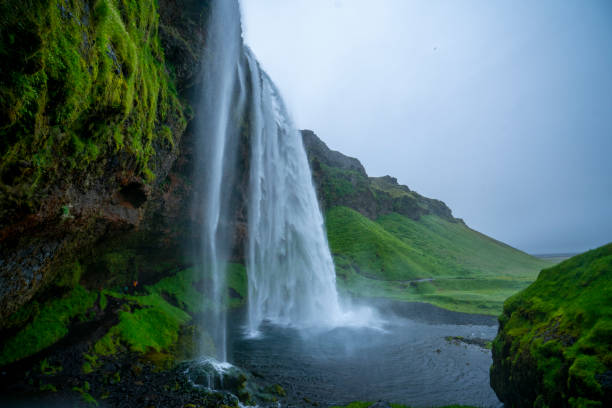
x: 409, y: 363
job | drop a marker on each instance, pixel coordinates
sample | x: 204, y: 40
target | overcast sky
x: 502, y: 109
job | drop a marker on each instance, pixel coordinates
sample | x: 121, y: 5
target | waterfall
x: 291, y: 274
x: 221, y: 102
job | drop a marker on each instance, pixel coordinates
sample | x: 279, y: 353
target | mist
x: 499, y: 108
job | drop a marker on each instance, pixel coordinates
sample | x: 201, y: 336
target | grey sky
x: 502, y: 109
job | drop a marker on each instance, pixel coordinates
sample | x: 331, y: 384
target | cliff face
x: 93, y: 110
x: 342, y: 181
x: 553, y: 347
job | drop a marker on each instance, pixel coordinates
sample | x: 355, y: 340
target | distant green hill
x: 391, y: 242
x: 430, y: 260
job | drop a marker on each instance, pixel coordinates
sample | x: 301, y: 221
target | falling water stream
x: 222, y: 99
x: 291, y: 276
x: 292, y: 281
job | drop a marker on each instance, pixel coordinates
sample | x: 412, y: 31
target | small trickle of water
x: 221, y: 100
x: 208, y: 373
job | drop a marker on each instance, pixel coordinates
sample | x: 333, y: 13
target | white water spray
x: 222, y: 99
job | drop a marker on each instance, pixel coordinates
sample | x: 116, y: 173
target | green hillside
x: 553, y: 347
x: 430, y: 260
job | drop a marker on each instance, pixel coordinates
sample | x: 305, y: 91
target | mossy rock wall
x: 553, y: 348
x: 93, y: 117
x: 84, y: 86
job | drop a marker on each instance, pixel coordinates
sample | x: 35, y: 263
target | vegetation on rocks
x: 149, y: 319
x: 45, y: 324
x: 81, y: 83
x: 90, y: 127
x: 553, y: 348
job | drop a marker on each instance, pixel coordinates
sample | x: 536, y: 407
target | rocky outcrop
x: 91, y: 127
x: 553, y: 347
x: 317, y: 149
x: 342, y: 181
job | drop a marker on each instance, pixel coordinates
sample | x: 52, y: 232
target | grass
x: 460, y: 250
x: 563, y: 321
x: 430, y: 260
x: 340, y: 183
x: 394, y: 190
x: 149, y: 322
x: 152, y: 321
x: 49, y: 323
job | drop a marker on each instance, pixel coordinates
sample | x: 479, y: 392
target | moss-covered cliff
x: 554, y: 346
x: 83, y: 83
x: 93, y: 109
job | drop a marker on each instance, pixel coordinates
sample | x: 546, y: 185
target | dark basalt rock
x: 183, y: 33
x: 317, y: 148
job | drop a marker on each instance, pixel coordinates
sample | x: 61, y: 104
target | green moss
x: 118, y: 262
x: 85, y: 81
x: 180, y: 288
x: 23, y: 315
x: 69, y: 275
x: 357, y: 404
x: 563, y: 321
x: 582, y: 375
x: 584, y: 403
x: 153, y: 324
x: 49, y: 325
x: 153, y: 327
x: 49, y: 369
x: 90, y: 363
x: 85, y: 395
x: 237, y: 281
x: 103, y: 301
x: 48, y: 388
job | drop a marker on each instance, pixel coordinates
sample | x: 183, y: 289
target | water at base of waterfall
x: 408, y: 363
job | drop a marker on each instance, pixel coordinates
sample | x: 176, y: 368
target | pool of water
x: 408, y: 362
